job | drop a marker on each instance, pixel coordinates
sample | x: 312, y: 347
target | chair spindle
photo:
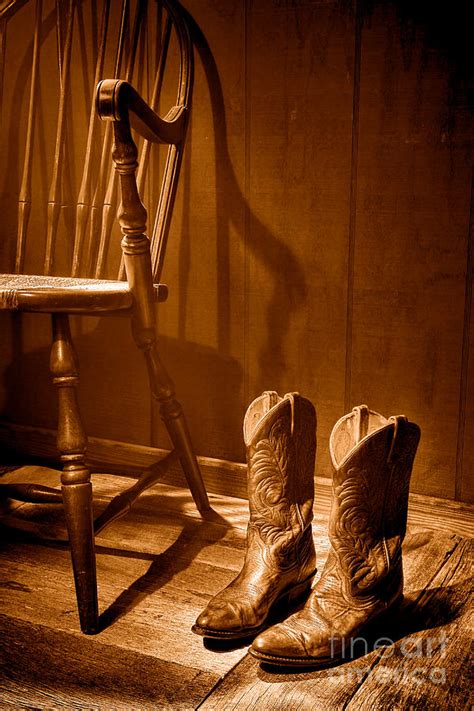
x: 84, y: 199
x: 99, y: 192
x: 54, y: 201
x: 108, y: 211
x: 3, y: 42
x: 24, y: 200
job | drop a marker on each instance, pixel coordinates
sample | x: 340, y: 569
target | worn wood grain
x: 429, y: 666
x: 43, y: 669
x: 411, y: 237
x: 250, y: 686
x: 157, y: 568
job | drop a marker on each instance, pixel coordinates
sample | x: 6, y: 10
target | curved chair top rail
x: 60, y: 154
x: 117, y: 100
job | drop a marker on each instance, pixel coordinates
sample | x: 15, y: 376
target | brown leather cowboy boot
x: 363, y: 576
x: 279, y: 566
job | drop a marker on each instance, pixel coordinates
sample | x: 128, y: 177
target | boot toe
x: 279, y: 644
x: 219, y: 618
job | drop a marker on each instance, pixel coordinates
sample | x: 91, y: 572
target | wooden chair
x: 81, y: 272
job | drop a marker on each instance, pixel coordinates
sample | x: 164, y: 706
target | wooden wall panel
x: 202, y: 321
x: 319, y: 242
x: 465, y: 464
x: 410, y: 243
x: 300, y: 68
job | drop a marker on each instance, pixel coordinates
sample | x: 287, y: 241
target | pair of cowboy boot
x: 372, y: 459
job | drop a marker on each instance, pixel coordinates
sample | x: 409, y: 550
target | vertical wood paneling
x: 410, y: 250
x: 301, y: 102
x: 353, y: 204
x: 202, y: 322
x: 320, y: 235
x: 465, y: 463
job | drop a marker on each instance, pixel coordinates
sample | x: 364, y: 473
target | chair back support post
x: 132, y: 217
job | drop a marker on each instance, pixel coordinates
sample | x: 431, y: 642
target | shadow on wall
x: 113, y: 385
x: 288, y: 285
x: 210, y: 382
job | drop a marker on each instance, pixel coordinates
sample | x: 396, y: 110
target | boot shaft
x: 372, y: 458
x: 280, y: 439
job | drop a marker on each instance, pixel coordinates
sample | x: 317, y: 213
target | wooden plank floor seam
x: 381, y: 652
x: 157, y: 568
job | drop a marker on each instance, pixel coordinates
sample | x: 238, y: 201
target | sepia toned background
x: 321, y: 238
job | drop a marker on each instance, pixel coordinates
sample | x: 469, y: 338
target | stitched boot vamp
x: 303, y: 635
x: 345, y: 613
x: 267, y: 574
x: 332, y: 616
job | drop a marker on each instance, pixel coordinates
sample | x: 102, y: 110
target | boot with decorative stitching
x: 280, y: 560
x: 363, y: 576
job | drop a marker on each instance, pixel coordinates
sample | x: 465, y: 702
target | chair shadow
x: 194, y: 537
x: 288, y: 288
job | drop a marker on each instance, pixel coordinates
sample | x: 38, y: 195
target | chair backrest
x: 59, y: 192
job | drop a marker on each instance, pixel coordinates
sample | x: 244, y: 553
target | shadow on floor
x: 196, y: 534
x: 194, y: 537
x: 421, y: 610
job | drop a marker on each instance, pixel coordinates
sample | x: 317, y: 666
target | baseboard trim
x: 220, y: 476
x: 106, y: 455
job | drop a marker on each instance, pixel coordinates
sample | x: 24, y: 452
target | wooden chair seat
x: 32, y: 292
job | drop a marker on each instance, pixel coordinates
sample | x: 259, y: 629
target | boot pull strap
x: 361, y: 422
x: 271, y: 398
x: 291, y: 398
x: 398, y: 421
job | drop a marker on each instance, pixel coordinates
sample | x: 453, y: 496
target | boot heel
x: 298, y: 593
x: 384, y: 619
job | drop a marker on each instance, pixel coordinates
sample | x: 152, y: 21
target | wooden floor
x: 157, y: 568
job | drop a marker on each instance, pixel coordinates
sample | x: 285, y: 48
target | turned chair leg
x: 75, y: 478
x: 138, y: 267
x: 171, y: 412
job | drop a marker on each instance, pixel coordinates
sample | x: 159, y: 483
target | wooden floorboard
x: 43, y: 666
x: 157, y: 568
x: 431, y: 670
x: 437, y: 602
